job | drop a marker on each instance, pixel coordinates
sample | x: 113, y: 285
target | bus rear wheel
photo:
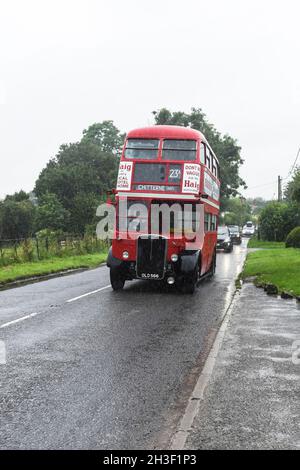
x: 116, y: 279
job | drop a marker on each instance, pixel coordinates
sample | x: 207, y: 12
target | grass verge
x: 254, y: 243
x: 276, y: 266
x: 20, y: 271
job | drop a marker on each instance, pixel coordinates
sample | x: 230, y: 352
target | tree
x: 292, y: 192
x: 84, y: 212
x: 81, y: 173
x: 51, y: 214
x: 224, y: 146
x: 79, y: 167
x: 16, y: 218
x: 277, y: 219
x: 105, y: 135
x: 238, y: 211
x: 257, y: 204
x: 17, y: 196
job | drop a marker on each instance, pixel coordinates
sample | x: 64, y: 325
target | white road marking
x: 18, y: 320
x: 88, y: 293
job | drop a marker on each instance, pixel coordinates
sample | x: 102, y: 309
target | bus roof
x: 167, y: 132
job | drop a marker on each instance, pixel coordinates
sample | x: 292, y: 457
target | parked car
x: 248, y: 229
x: 224, y: 241
x: 235, y: 234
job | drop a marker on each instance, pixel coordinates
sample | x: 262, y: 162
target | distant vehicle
x: 235, y: 234
x: 224, y: 241
x: 248, y: 229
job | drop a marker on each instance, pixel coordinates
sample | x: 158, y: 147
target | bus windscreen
x: 157, y: 173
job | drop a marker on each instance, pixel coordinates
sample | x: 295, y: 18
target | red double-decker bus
x: 167, y: 206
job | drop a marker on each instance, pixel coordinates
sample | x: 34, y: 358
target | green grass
x: 48, y: 266
x: 277, y: 266
x: 254, y: 243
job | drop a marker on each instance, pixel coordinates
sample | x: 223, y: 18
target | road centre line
x: 19, y: 320
x: 88, y: 293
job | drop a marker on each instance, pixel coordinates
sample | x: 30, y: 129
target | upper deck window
x: 179, y: 149
x: 202, y: 153
x: 146, y: 149
x: 208, y: 158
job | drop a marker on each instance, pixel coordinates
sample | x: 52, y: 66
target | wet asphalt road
x: 109, y: 370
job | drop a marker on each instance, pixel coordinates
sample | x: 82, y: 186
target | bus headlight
x: 174, y: 257
x: 125, y: 254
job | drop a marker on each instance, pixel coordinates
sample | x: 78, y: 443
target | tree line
x: 74, y: 182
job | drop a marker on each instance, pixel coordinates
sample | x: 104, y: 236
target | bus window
x: 179, y: 149
x: 142, y: 148
x: 202, y: 153
x: 213, y: 225
x: 214, y: 168
x: 206, y: 222
x: 149, y: 173
x: 207, y: 158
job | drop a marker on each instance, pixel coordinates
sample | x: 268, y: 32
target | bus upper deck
x: 168, y: 161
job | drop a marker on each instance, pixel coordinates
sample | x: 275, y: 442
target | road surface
x: 105, y: 370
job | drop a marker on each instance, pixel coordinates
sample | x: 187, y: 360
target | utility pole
x: 279, y: 189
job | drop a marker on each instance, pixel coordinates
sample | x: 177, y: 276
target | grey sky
x: 66, y: 64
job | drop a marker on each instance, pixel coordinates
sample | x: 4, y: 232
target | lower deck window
x: 210, y: 222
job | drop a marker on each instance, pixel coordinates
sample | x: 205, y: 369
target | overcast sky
x: 65, y: 64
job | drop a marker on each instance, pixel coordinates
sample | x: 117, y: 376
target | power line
x: 282, y: 179
x: 261, y: 185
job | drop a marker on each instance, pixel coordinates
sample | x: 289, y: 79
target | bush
x: 293, y: 238
x: 277, y: 219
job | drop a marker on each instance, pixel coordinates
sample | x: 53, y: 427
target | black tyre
x: 116, y: 279
x: 188, y: 284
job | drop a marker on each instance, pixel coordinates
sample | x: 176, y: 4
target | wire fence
x: 34, y: 249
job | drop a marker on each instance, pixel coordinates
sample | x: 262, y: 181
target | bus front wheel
x: 188, y: 283
x: 116, y: 279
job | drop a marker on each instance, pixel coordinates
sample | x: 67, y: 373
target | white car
x: 248, y: 229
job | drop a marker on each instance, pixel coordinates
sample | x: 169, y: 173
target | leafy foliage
x: 224, y: 146
x: 51, y: 214
x: 238, y: 211
x: 293, y: 238
x: 81, y: 173
x: 18, y: 196
x: 257, y: 204
x: 277, y: 219
x: 105, y: 135
x: 293, y: 188
x: 16, y: 217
